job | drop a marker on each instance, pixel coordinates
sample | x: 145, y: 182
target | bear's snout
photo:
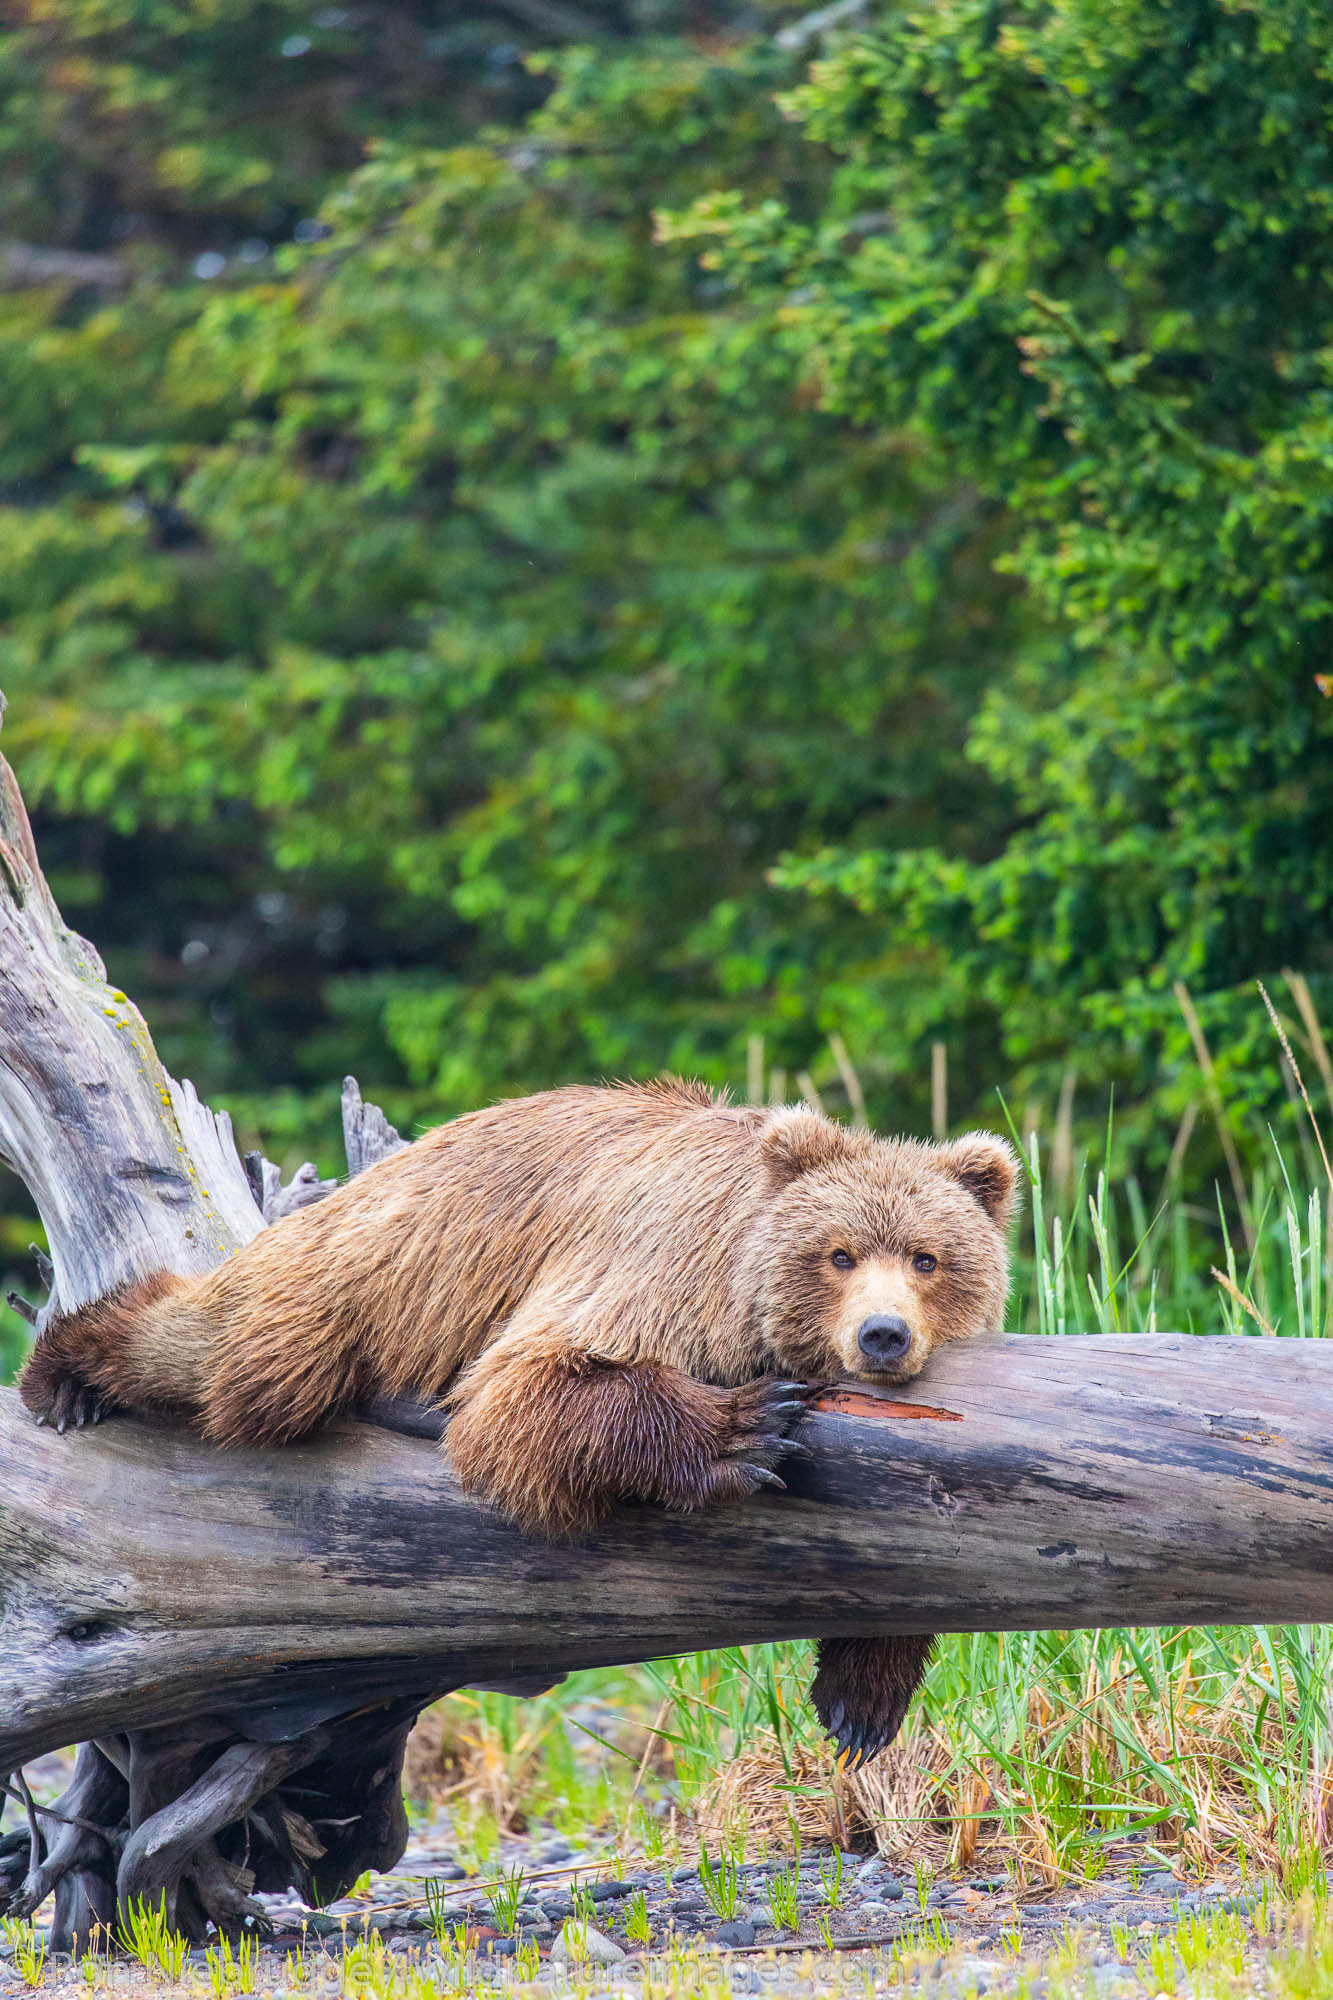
x: 884, y: 1339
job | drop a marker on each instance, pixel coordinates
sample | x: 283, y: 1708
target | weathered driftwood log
x: 231, y: 1627
x: 150, y: 1579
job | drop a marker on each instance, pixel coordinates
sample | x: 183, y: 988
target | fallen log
x: 240, y: 1641
x: 149, y: 1579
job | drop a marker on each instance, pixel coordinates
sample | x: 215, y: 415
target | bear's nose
x: 884, y: 1338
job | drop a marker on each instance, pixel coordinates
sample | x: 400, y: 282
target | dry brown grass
x: 1213, y: 1768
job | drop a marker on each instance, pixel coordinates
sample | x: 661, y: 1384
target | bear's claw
x: 751, y: 1441
x: 77, y: 1403
x: 862, y: 1691
x: 763, y: 1477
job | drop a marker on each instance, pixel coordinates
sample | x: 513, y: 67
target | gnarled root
x: 192, y: 1821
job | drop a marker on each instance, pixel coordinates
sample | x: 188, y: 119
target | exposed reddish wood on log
x: 859, y: 1403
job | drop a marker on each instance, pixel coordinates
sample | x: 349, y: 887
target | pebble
x: 684, y: 1874
x: 737, y: 1930
x: 876, y: 1912
x: 978, y: 1973
x: 322, y: 1926
x: 608, y: 1892
x: 585, y: 1946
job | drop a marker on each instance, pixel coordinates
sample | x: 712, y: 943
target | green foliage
x: 1083, y: 253
x: 687, y: 545
x: 424, y: 651
x: 180, y: 124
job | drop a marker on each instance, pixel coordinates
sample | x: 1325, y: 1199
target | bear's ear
x: 798, y: 1137
x: 987, y: 1166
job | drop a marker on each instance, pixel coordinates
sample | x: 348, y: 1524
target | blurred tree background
x: 548, y: 541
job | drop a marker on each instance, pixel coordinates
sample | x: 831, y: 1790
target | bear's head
x: 873, y: 1251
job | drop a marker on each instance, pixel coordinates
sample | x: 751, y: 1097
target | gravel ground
x: 966, y: 1936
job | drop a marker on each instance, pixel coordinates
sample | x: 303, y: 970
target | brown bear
x: 607, y: 1284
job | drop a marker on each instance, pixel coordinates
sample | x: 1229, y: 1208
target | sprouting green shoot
x: 637, y: 1928
x: 147, y: 1935
x: 830, y: 1879
x: 504, y: 1901
x: 782, y: 1896
x: 721, y: 1882
x: 232, y: 1971
x: 27, y: 1951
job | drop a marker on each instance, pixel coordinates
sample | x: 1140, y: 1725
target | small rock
x: 876, y: 1912
x: 890, y: 1889
x: 608, y: 1892
x: 501, y: 1947
x: 582, y: 1945
x: 559, y: 1850
x: 558, y: 1908
x: 737, y: 1930
x: 869, y: 1869
x: 979, y: 1973
x: 684, y: 1874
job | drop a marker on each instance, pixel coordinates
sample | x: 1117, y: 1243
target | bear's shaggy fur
x: 606, y: 1283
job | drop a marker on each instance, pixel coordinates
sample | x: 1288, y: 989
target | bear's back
x: 429, y: 1253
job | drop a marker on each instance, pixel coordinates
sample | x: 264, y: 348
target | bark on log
x: 148, y: 1578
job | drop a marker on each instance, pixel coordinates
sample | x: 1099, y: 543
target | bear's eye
x: 923, y: 1262
x: 843, y: 1259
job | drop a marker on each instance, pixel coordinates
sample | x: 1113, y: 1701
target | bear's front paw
x: 733, y: 1454
x: 58, y: 1381
x: 62, y: 1400
x: 862, y: 1690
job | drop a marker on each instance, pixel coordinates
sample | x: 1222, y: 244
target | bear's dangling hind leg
x: 555, y: 1436
x: 862, y: 1689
